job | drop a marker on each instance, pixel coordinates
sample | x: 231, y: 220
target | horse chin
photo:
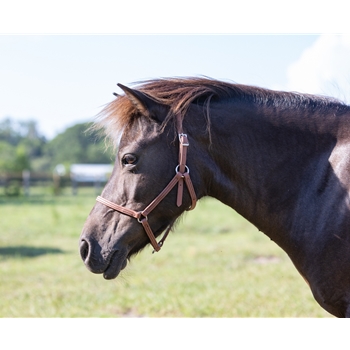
x: 119, y: 259
x: 117, y: 263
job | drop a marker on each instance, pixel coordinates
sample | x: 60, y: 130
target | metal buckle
x: 160, y: 245
x: 183, y: 144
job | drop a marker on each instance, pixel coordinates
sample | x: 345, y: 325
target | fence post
x: 58, y: 172
x: 26, y: 182
x: 74, y: 187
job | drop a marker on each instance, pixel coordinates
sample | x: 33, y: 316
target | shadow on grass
x: 27, y: 251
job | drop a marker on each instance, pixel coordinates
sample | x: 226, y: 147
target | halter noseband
x: 182, y: 174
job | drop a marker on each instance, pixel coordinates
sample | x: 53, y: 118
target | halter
x: 182, y: 174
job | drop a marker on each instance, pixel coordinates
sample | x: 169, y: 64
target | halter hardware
x: 183, y: 136
x: 186, y: 168
x: 182, y: 174
x: 144, y: 218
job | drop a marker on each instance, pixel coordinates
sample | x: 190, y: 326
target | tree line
x: 22, y: 147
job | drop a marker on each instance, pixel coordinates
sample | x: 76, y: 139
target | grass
x: 214, y: 265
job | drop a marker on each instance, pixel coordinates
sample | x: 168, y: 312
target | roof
x: 90, y: 172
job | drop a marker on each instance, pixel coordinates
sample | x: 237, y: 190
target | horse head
x: 146, y: 192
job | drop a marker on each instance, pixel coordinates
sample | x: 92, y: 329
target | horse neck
x: 258, y: 158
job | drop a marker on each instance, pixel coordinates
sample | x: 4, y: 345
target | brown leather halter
x: 182, y: 174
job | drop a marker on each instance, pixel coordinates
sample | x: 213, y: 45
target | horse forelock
x: 114, y: 118
x: 176, y: 93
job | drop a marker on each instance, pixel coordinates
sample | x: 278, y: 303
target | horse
x: 280, y: 159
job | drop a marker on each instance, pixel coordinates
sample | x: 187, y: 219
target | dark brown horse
x: 280, y: 159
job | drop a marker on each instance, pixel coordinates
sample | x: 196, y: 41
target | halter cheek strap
x: 182, y: 175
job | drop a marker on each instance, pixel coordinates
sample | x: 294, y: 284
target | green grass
x: 214, y: 265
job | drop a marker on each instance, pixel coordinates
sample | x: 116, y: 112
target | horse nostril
x: 84, y: 250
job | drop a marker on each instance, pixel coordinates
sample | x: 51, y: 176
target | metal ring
x: 144, y: 217
x: 186, y: 168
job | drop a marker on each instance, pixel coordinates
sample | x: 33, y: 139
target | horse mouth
x: 117, y: 263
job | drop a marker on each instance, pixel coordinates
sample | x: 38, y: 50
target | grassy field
x: 214, y: 265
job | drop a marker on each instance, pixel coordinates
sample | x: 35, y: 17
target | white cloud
x: 323, y: 68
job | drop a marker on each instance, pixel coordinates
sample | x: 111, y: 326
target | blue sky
x: 60, y: 80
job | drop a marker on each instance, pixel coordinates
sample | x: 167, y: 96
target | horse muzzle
x: 108, y: 263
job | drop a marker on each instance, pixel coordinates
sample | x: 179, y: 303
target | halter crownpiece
x: 182, y: 174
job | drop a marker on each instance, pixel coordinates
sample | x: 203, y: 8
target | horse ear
x: 144, y: 104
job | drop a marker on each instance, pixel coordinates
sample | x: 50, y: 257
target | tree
x: 78, y: 145
x: 7, y: 155
x: 20, y: 144
x: 9, y: 133
x: 22, y: 147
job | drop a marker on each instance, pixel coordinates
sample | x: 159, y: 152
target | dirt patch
x: 132, y: 313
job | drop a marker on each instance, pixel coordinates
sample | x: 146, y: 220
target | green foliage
x: 22, y: 147
x: 13, y: 158
x: 22, y: 159
x: 20, y: 143
x: 7, y: 155
x: 77, y: 145
x: 9, y: 132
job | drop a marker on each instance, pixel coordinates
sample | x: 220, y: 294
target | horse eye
x: 129, y: 159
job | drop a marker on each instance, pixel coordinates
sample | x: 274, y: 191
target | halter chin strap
x: 182, y: 175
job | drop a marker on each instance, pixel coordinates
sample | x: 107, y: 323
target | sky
x: 61, y: 80
x: 62, y: 68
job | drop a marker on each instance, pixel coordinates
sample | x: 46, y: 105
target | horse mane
x: 179, y: 93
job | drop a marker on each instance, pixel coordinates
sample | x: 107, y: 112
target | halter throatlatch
x: 182, y: 175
